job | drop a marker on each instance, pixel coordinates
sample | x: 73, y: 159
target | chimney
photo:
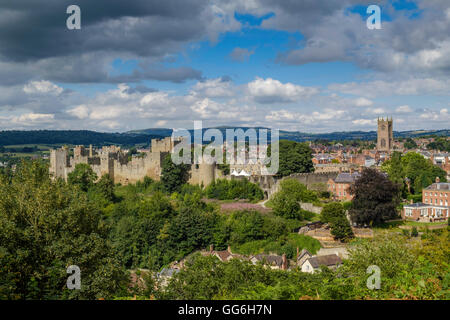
x: 284, y: 266
x: 411, y: 201
x: 211, y: 248
x: 298, y: 252
x: 438, y: 180
x: 229, y: 249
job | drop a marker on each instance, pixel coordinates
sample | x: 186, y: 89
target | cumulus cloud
x: 403, y: 109
x: 213, y: 88
x: 364, y: 122
x: 42, y: 87
x: 80, y: 112
x: 270, y: 91
x: 363, y: 102
x: 383, y: 88
x: 33, y: 118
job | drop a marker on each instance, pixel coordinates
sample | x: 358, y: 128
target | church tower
x: 385, y: 135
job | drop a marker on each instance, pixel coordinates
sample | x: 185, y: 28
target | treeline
x: 407, y: 272
x: 106, y: 229
x: 74, y: 137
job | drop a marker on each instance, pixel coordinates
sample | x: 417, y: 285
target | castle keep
x: 113, y: 161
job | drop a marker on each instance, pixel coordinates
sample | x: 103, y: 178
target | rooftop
x: 347, y: 177
x: 327, y: 260
x: 439, y: 186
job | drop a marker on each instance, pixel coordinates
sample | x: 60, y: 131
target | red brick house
x: 434, y: 206
x: 339, y: 186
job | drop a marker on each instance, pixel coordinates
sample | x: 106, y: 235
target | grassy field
x: 396, y: 225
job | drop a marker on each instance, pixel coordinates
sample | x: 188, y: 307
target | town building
x: 385, y: 135
x: 434, y: 206
x: 339, y: 186
x: 312, y: 264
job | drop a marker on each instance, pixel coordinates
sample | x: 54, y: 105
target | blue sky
x: 306, y: 65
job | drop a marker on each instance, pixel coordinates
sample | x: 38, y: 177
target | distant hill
x: 301, y: 136
x: 86, y: 137
x: 74, y: 137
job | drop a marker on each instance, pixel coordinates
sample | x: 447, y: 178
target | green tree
x: 173, y: 176
x: 332, y: 210
x: 294, y: 157
x: 45, y: 226
x: 374, y: 198
x: 341, y: 229
x: 286, y: 206
x: 410, y: 144
x: 82, y: 176
x: 106, y: 187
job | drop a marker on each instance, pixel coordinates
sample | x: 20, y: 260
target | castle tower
x: 385, y: 135
x: 58, y: 163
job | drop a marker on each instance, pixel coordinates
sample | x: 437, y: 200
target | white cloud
x: 270, y: 91
x: 33, y: 118
x: 381, y: 88
x: 403, y: 109
x: 42, y: 87
x: 364, y: 122
x: 81, y: 111
x: 363, y: 102
x: 213, y: 88
x: 376, y: 111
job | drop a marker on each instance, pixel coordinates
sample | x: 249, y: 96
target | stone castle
x: 115, y: 162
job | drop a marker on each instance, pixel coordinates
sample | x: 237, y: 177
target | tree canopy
x: 295, y: 157
x: 46, y: 226
x: 374, y: 198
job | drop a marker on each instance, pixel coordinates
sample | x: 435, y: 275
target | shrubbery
x: 223, y: 189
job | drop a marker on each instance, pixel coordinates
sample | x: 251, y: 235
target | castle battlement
x: 112, y: 160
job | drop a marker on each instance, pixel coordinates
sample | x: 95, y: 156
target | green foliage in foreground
x: 407, y: 272
x: 287, y: 245
x: 223, y: 189
x: 45, y: 226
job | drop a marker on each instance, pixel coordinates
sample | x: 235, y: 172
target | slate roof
x: 439, y: 186
x: 270, y: 259
x: 347, y: 177
x: 416, y: 205
x: 327, y: 260
x: 302, y: 253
